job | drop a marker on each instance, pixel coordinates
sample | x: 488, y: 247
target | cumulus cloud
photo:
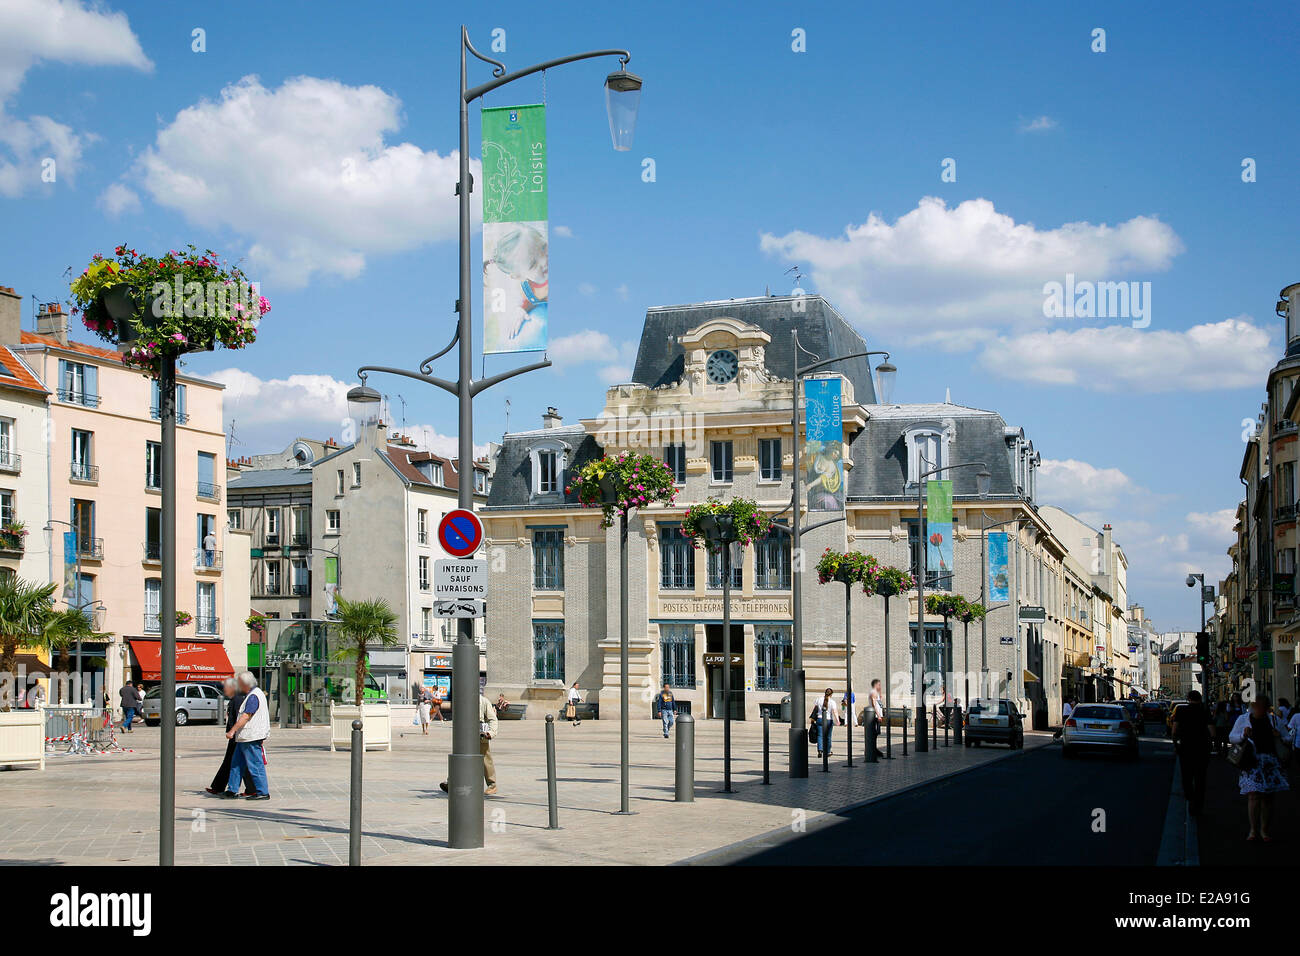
x: 37, y: 150
x: 936, y: 268
x: 118, y: 199
x: 1234, y: 353
x: 1080, y: 487
x: 563, y: 232
x: 1038, y: 124
x: 593, y: 346
x: 305, y: 174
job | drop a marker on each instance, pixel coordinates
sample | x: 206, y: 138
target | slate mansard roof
x: 512, y: 482
x: 822, y: 331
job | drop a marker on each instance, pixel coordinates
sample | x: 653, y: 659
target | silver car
x: 193, y: 702
x: 1099, y: 727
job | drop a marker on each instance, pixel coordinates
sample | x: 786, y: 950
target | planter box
x: 22, y: 738
x: 377, y: 730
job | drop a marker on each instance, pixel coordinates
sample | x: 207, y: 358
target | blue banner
x: 823, y: 453
x: 71, y: 586
x: 999, y: 581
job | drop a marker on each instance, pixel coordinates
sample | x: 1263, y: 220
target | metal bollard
x: 905, y: 733
x: 934, y: 726
x: 947, y: 723
x: 956, y: 728
x: 685, y: 792
x: 889, y: 738
x: 552, y: 800
x: 354, y: 801
x: 767, y: 740
x: 873, y: 730
x: 825, y: 745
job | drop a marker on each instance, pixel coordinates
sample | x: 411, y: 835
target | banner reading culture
x: 999, y: 581
x: 823, y: 452
x: 516, y: 261
x: 938, y: 529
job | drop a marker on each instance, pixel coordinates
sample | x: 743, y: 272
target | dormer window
x: 927, y: 449
x: 549, y: 459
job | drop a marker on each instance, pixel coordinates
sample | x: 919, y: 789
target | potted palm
x: 360, y: 625
x: 24, y: 606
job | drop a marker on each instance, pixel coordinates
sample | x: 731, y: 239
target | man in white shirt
x: 249, y: 733
x: 877, y: 710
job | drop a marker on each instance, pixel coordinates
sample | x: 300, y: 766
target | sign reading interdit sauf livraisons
x: 516, y: 262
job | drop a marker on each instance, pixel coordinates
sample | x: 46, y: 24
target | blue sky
x: 320, y: 149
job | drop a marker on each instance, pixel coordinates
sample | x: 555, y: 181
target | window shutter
x: 92, y: 382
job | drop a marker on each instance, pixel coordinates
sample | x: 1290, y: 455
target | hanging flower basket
x: 617, y: 484
x: 851, y: 567
x: 970, y: 611
x: 172, y: 305
x: 748, y: 523
x: 945, y: 605
x: 892, y: 581
x: 183, y: 618
x: 256, y: 623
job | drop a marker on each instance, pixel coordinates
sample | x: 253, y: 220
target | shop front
x: 298, y: 670
x: 196, y: 661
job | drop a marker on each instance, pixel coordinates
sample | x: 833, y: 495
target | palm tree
x: 63, y: 629
x: 360, y: 624
x: 24, y: 606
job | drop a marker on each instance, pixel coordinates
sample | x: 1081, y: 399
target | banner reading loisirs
x: 516, y: 266
x: 999, y: 580
x: 938, y: 529
x: 823, y: 452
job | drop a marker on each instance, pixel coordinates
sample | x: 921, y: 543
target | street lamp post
x: 984, y: 598
x: 720, y: 531
x: 1192, y: 580
x: 622, y: 96
x: 886, y: 374
x: 982, y: 479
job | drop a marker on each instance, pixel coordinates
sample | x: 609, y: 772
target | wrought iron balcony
x: 153, y: 552
x: 301, y: 590
x: 209, y: 491
x: 84, y: 472
x: 77, y: 396
x: 152, y: 623
x: 205, y: 560
x: 10, y: 463
x: 300, y: 539
x: 206, y: 625
x: 156, y: 415
x: 1284, y: 512
x: 90, y: 548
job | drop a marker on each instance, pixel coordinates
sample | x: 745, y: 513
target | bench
x: 585, y: 711
x: 513, y: 712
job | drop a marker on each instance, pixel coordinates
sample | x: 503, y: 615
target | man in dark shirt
x: 1192, y: 734
x: 667, y: 708
x: 234, y: 701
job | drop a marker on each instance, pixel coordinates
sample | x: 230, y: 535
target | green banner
x: 516, y: 257
x: 938, y: 500
x: 938, y: 530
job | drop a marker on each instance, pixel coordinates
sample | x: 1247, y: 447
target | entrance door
x: 713, y: 669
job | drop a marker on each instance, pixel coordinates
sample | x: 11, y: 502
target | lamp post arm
x: 427, y: 365
x: 810, y: 527
x: 442, y: 383
x: 486, y: 383
x: 938, y: 471
x: 804, y: 370
x: 501, y: 79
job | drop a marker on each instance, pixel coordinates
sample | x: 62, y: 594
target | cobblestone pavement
x: 97, y: 810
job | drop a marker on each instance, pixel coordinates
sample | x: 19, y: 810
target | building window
x: 234, y: 519
x: 426, y: 622
x: 437, y: 473
x: 927, y: 449
x: 737, y: 566
x: 273, y: 577
x: 8, y: 460
x: 548, y: 559
x: 207, y: 483
x: 356, y: 474
x: 83, y: 523
x: 333, y: 521
x: 301, y: 526
x: 548, y: 650
x: 934, y: 578
x: 155, y: 412
x: 78, y: 383
x: 548, y: 472
x: 773, y: 657
x: 153, y: 534
x: 677, y: 655
x: 83, y: 467
x: 769, y: 459
x: 422, y: 526
x: 480, y: 482
x: 272, y: 533
x: 301, y: 577
x: 205, y: 608
x: 152, y: 605
x: 424, y: 572
x: 676, y: 560
x: 338, y: 485
x: 8, y: 508
x: 722, y: 461
x: 772, y: 560
x: 153, y: 466
x: 675, y: 459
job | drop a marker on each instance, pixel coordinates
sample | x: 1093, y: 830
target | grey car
x: 1099, y: 727
x: 996, y: 721
x: 193, y: 702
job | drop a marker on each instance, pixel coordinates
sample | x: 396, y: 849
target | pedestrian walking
x: 1258, y: 735
x: 108, y: 712
x: 249, y: 732
x: 435, y: 704
x: 423, y: 706
x: 667, y: 709
x: 827, y: 708
x: 132, y: 700
x: 1284, y: 709
x: 1067, y: 708
x: 234, y: 701
x: 1221, y: 727
x: 571, y: 708
x: 1192, y: 739
x: 848, y: 708
x: 487, y: 729
x: 877, y: 710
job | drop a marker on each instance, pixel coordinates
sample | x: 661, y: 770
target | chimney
x: 52, y: 320
x: 11, y: 316
x: 552, y: 418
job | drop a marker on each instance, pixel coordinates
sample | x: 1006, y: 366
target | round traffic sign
x: 460, y: 533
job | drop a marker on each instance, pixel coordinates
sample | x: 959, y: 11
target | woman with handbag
x: 1258, y: 747
x: 827, y: 709
x: 571, y: 708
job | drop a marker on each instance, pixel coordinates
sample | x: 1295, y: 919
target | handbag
x: 570, y: 711
x: 812, y: 732
x: 1242, y: 756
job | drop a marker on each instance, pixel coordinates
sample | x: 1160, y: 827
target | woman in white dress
x: 426, y: 698
x: 1264, y: 776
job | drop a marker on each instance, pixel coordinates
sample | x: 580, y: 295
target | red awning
x: 194, y: 661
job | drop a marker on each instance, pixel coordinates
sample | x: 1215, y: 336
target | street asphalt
x: 1036, y: 809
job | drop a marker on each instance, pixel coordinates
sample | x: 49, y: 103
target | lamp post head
x: 622, y: 100
x: 886, y: 373
x: 1191, y: 580
x: 982, y: 480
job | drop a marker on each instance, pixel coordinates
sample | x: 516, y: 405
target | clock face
x: 722, y: 366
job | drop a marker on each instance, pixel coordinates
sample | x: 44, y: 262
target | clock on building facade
x: 722, y: 366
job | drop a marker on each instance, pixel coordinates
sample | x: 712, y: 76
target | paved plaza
x: 98, y: 810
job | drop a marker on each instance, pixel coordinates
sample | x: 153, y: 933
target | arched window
x: 927, y: 449
x: 548, y: 458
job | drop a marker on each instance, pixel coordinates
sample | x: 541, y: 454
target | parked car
x: 193, y: 702
x: 1134, y: 714
x: 1154, y: 713
x: 1099, y: 727
x: 996, y: 722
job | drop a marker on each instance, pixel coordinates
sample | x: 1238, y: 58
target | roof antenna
x: 231, y: 439
x: 403, y: 401
x: 507, y: 431
x: 798, y: 276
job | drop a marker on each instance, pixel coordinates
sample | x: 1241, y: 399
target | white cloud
x: 56, y: 31
x: 118, y: 199
x: 586, y: 288
x: 563, y: 232
x: 1038, y: 124
x: 589, y: 345
x: 1078, y: 486
x: 623, y: 292
x: 941, y: 269
x: 305, y: 174
x: 1234, y: 353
